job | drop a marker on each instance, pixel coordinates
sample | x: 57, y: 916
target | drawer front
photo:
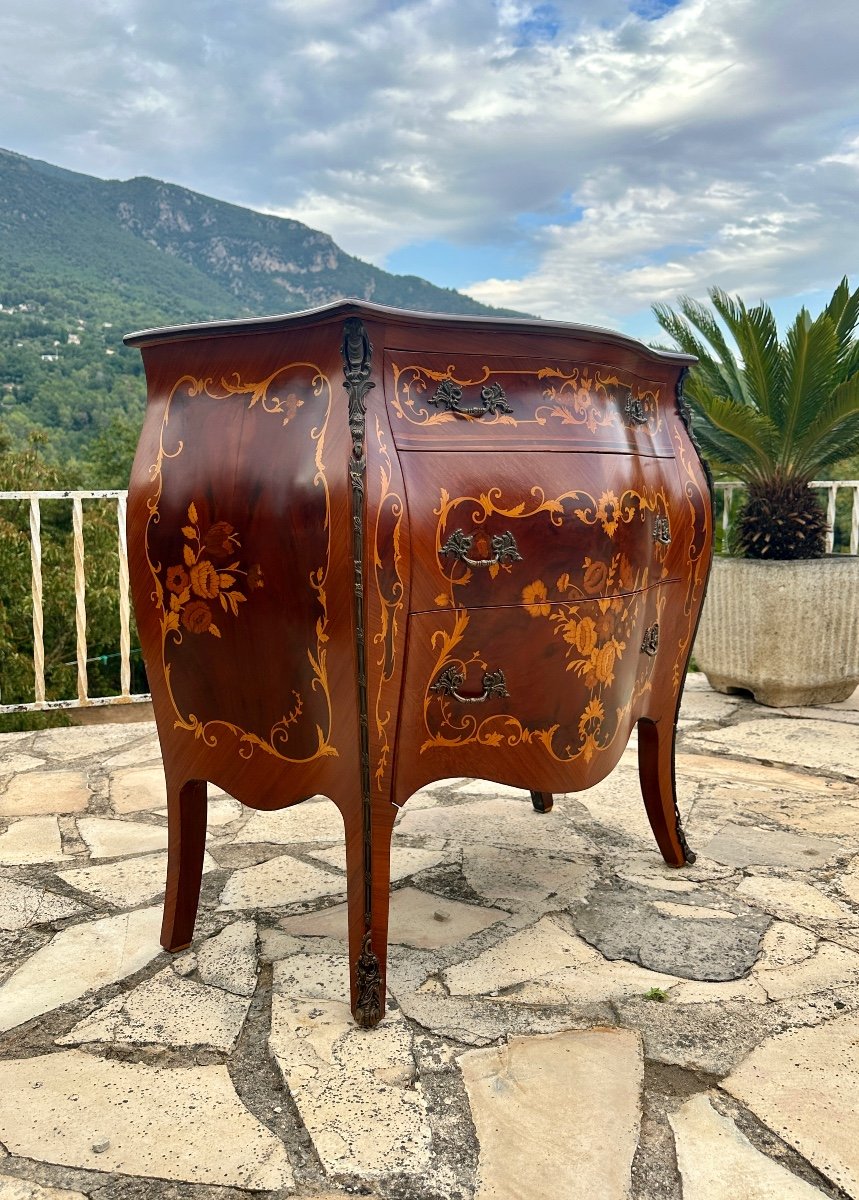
x: 560, y: 677
x: 495, y: 530
x: 441, y: 401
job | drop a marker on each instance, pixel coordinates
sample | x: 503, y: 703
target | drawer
x: 439, y: 401
x: 562, y: 678
x: 488, y: 531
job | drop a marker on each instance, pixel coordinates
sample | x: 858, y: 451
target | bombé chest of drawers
x: 371, y: 549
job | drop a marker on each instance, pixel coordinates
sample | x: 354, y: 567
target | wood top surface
x: 339, y: 309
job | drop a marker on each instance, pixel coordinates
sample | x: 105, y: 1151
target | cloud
x: 728, y: 161
x: 642, y: 147
x: 638, y: 244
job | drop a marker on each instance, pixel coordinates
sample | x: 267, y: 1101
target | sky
x: 577, y: 161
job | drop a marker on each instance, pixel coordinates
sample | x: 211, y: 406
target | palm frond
x: 834, y: 433
x: 736, y: 433
x: 771, y: 412
x: 832, y: 450
x: 725, y: 457
x: 810, y: 358
x: 851, y: 360
x: 729, y: 370
x: 843, y: 311
x: 718, y: 374
x: 679, y: 330
x: 756, y: 334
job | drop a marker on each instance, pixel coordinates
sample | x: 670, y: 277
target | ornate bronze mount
x: 688, y: 854
x: 650, y: 641
x: 634, y: 411
x: 451, y: 678
x: 449, y: 395
x: 357, y: 353
x: 662, y: 530
x: 368, y: 1009
x: 503, y: 546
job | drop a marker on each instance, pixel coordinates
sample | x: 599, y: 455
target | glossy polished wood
x: 372, y: 549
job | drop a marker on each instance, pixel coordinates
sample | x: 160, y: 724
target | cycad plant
x: 773, y: 414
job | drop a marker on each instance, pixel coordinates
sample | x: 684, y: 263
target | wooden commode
x: 371, y: 549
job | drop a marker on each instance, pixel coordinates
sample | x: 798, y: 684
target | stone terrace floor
x: 567, y: 1017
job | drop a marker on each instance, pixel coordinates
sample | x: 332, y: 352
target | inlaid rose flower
x: 205, y: 581
x: 177, y: 579
x: 570, y: 631
x: 586, y: 635
x: 220, y: 540
x: 604, y: 663
x: 535, y: 597
x: 197, y: 616
x: 595, y: 576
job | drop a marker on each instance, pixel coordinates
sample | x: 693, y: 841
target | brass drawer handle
x: 662, y: 530
x: 634, y: 411
x: 503, y: 545
x: 451, y: 678
x: 650, y: 642
x: 449, y: 395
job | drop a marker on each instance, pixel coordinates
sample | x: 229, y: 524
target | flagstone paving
x: 561, y: 1112
x: 566, y: 1015
x: 717, y: 1162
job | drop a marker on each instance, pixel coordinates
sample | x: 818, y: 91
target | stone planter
x: 788, y: 632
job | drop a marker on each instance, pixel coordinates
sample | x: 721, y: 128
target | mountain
x: 84, y: 260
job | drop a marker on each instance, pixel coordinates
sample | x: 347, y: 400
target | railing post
x: 36, y: 592
x: 727, y: 497
x: 124, y: 606
x: 80, y: 595
x: 830, y: 517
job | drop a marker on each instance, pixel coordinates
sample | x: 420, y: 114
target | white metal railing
x: 83, y: 700
x: 830, y: 486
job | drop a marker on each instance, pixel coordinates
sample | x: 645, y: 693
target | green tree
x: 111, y: 453
x: 772, y: 413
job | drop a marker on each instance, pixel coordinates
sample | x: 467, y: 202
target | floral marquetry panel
x: 462, y: 400
x: 575, y: 673
x: 215, y: 561
x: 603, y: 523
x: 372, y: 549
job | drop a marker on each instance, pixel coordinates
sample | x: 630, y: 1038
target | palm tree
x: 774, y: 414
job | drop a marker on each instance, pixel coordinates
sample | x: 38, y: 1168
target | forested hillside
x: 84, y: 260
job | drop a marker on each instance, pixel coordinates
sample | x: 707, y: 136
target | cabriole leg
x: 542, y: 801
x: 186, y: 844
x: 368, y: 868
x: 357, y: 863
x: 384, y: 816
x: 656, y: 775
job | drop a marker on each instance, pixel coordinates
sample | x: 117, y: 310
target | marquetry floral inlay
x: 608, y: 511
x: 206, y: 579
x: 595, y: 608
x: 212, y: 581
x: 592, y: 399
x: 596, y: 632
